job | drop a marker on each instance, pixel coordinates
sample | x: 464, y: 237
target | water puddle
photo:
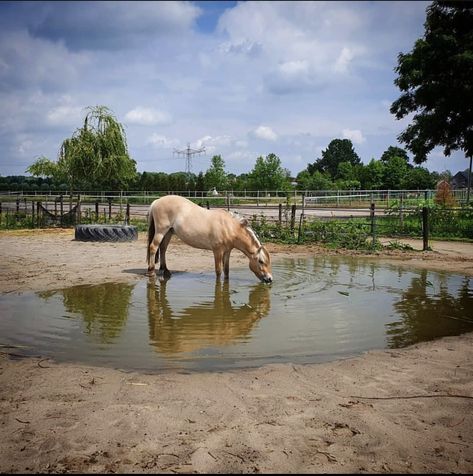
x: 317, y: 309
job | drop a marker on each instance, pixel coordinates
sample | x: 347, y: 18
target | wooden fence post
x: 78, y: 210
x: 61, y: 208
x: 38, y: 213
x: 293, y: 217
x: 127, y: 215
x: 109, y: 209
x: 425, y: 228
x: 97, y: 211
x: 373, y: 223
x: 280, y: 214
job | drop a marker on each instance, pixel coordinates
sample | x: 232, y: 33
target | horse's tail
x: 151, y: 231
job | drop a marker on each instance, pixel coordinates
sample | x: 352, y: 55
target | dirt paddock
x: 402, y: 411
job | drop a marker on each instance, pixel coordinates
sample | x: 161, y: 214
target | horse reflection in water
x: 203, y: 324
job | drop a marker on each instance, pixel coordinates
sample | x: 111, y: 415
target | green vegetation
x: 435, y: 82
x: 96, y: 155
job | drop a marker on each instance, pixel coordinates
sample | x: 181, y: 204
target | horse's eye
x: 260, y: 261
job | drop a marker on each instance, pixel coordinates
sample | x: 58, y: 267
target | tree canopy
x: 216, y: 175
x: 96, y: 156
x: 436, y: 81
x: 268, y: 174
x: 338, y: 151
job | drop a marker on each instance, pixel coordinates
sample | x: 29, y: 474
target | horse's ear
x: 243, y: 221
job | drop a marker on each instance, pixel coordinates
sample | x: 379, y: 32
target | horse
x: 216, y: 230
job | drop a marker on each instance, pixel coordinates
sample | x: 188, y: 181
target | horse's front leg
x: 226, y: 263
x: 218, y: 257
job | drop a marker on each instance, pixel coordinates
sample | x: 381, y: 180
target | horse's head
x: 260, y: 264
x: 260, y: 261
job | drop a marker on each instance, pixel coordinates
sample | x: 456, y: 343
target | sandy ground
x: 403, y: 411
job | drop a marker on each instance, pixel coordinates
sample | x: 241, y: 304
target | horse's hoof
x: 164, y: 272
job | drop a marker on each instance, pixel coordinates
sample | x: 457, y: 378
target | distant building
x: 460, y: 179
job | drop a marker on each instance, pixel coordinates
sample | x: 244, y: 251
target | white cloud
x: 161, y: 141
x: 147, y: 116
x: 354, y: 135
x: 65, y: 114
x: 344, y: 60
x: 211, y: 144
x: 265, y: 133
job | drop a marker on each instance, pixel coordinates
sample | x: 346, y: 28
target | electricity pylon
x: 189, y: 153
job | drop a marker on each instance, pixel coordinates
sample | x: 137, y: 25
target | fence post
x: 401, y: 214
x: 208, y: 205
x: 425, y: 228
x: 32, y: 213
x: 293, y: 217
x: 78, y: 210
x: 280, y: 214
x: 109, y: 208
x: 96, y: 211
x: 0, y: 213
x: 38, y: 210
x: 373, y: 223
x: 299, y: 233
x: 127, y: 216
x: 61, y: 207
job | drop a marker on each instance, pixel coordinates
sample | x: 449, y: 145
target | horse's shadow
x: 144, y: 272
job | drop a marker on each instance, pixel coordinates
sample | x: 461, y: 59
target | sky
x: 238, y: 79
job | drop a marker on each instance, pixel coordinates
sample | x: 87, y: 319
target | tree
x: 268, y: 174
x: 338, y: 151
x: 372, y: 175
x: 435, y: 79
x: 95, y: 156
x: 216, y: 175
x: 418, y: 178
x: 393, y: 151
x: 315, y: 181
x: 395, y: 171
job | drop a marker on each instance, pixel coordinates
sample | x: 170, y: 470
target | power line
x: 189, y: 153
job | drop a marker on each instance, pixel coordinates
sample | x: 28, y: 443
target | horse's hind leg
x: 163, y: 269
x: 153, y: 248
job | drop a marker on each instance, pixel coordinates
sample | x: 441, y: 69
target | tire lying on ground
x: 106, y: 232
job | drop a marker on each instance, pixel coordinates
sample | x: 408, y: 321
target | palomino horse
x: 216, y: 230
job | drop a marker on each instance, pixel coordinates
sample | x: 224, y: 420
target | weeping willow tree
x: 96, y: 156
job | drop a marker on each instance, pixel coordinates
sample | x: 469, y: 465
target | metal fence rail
x: 287, y: 217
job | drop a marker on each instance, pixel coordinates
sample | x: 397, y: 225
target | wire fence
x: 343, y: 219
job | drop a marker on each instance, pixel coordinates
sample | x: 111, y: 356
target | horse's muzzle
x: 267, y: 279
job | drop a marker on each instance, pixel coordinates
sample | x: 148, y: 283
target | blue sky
x: 241, y: 79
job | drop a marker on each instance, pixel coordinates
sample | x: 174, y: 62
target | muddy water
x: 317, y: 309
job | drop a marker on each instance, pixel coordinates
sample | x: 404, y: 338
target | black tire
x: 106, y: 233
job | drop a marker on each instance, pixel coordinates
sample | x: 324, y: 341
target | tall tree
x: 215, y: 176
x: 393, y: 151
x: 95, y: 156
x: 436, y: 81
x: 338, y: 151
x: 268, y: 174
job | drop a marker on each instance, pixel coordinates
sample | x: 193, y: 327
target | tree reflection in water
x: 199, y: 325
x: 103, y: 308
x: 426, y: 316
